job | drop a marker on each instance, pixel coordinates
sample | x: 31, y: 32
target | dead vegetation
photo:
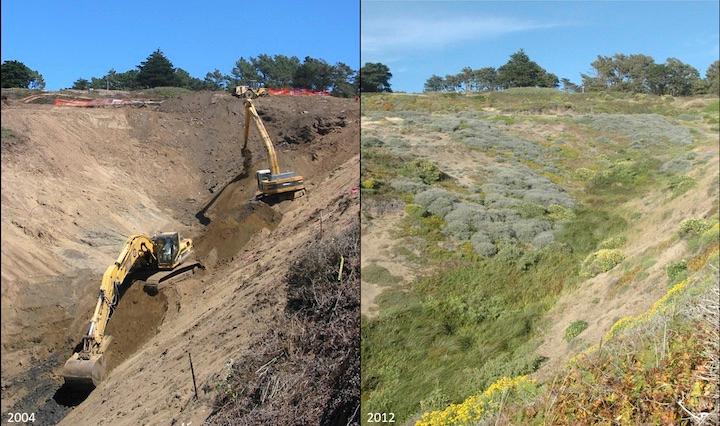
x: 306, y: 369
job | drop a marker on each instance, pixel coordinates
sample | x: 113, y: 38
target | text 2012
x: 381, y: 417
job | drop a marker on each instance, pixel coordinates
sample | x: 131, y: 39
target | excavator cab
x: 273, y: 184
x: 251, y: 91
x: 167, y: 246
x: 263, y: 176
x: 174, y: 260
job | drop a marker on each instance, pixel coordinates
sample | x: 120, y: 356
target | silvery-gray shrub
x: 436, y: 201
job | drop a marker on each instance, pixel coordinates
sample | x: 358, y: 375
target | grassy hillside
x: 513, y: 202
x: 658, y: 367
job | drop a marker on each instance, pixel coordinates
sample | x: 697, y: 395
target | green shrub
x: 693, y: 227
x: 613, y: 242
x: 584, y: 174
x: 425, y: 170
x: 411, y: 186
x: 601, y: 261
x: 488, y: 135
x: 528, y: 210
x: 525, y: 230
x: 677, y: 271
x: 464, y: 220
x: 483, y: 245
x: 677, y: 165
x: 414, y: 210
x: 710, y: 235
x: 679, y: 185
x: 559, y: 213
x: 623, y: 173
x: 521, y: 182
x: 437, y: 201
x: 370, y: 183
x: 642, y: 130
x: 574, y: 329
x: 376, y: 274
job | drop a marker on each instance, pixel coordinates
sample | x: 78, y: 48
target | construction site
x: 92, y: 190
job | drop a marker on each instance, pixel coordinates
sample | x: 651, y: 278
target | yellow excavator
x: 271, y: 182
x: 166, y: 258
x: 250, y: 92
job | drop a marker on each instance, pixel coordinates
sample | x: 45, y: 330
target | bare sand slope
x: 77, y: 182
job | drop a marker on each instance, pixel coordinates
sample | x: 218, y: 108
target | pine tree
x: 375, y: 77
x: 81, y: 84
x: 520, y: 71
x: 16, y: 74
x: 157, y: 70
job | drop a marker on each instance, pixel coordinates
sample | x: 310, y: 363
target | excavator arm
x: 252, y: 115
x: 136, y: 251
x: 86, y: 367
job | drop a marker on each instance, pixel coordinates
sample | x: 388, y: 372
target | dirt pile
x: 137, y: 319
x: 225, y: 236
x: 89, y: 178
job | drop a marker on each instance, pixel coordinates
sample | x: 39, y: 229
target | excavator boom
x: 86, y: 368
x: 251, y: 114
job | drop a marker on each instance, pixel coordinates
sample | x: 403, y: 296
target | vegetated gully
x: 224, y: 224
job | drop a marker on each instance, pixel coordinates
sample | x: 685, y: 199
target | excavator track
x: 159, y: 280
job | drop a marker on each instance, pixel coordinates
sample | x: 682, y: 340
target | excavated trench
x: 178, y: 167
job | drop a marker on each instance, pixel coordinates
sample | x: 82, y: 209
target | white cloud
x: 386, y: 35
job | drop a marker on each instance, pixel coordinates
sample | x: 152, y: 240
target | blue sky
x: 65, y: 40
x: 419, y: 38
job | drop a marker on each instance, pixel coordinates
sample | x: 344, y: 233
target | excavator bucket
x: 84, y: 373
